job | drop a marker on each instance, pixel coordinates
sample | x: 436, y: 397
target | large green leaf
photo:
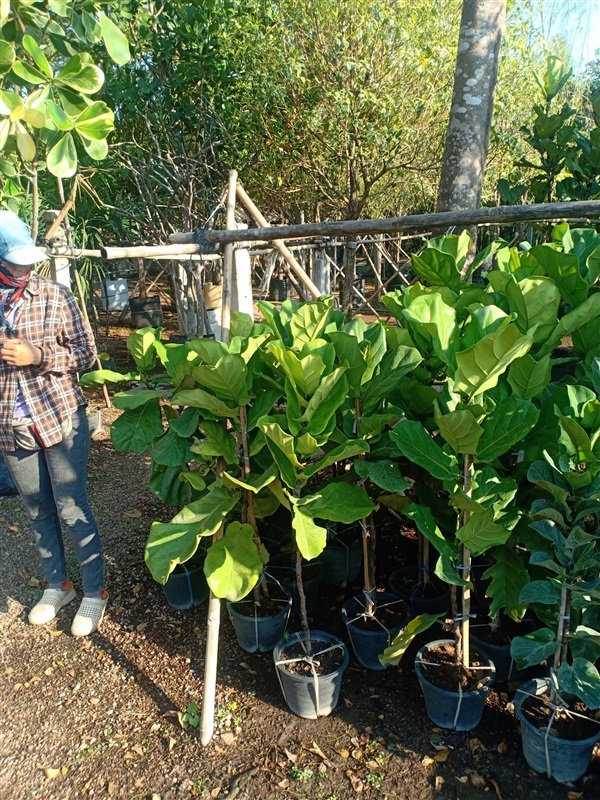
x: 216, y: 442
x: 198, y: 398
x: 340, y: 453
x: 62, y: 158
x: 141, y: 345
x: 416, y: 444
x: 34, y: 50
x: 460, y: 429
x: 167, y: 485
x: 171, y: 450
x: 135, y: 430
x: 571, y: 322
x: 98, y: 377
x: 209, y: 511
x: 563, y: 268
x: 186, y: 424
x: 425, y: 523
x: 576, y: 440
x: 349, y: 354
x: 392, y: 655
x: 281, y: 446
x: 309, y: 321
x: 134, y: 398
x: 338, y: 502
x: 545, y: 592
x: 85, y: 78
x: 436, y: 267
x: 391, y: 372
x: 7, y: 56
x: 170, y: 544
x: 96, y: 121
x: 507, y: 577
x: 508, y: 423
x: 253, y: 483
x: 310, y: 537
x: 324, y: 403
x: 582, y: 679
x: 480, y: 366
x: 384, y: 474
x: 483, y: 320
x: 115, y: 40
x: 430, y: 314
x: 534, y: 648
x: 490, y: 490
x: 480, y: 532
x: 527, y: 377
x: 227, y: 379
x: 535, y: 303
x: 233, y: 563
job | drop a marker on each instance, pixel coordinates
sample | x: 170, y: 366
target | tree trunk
x: 468, y: 132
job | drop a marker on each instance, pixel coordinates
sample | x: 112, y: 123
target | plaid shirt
x: 49, y: 317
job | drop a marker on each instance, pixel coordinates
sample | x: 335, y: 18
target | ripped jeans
x: 53, y: 484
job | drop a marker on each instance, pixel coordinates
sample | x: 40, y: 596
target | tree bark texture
x: 468, y: 132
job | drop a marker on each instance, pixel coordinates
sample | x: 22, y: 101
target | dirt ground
x: 103, y: 717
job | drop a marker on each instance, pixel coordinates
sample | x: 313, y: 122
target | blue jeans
x: 53, y: 484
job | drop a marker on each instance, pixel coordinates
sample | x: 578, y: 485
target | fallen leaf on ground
x: 291, y: 756
x: 497, y: 788
x: 427, y: 760
x: 227, y: 738
x: 141, y: 626
x: 475, y: 745
x: 356, y: 782
x: 574, y: 795
x: 55, y: 633
x: 357, y: 755
x: 439, y: 782
x: 463, y: 779
x: 137, y: 588
x: 313, y: 747
x: 503, y: 747
x: 51, y: 773
x: 134, y: 513
x: 283, y: 784
x: 94, y: 701
x: 441, y: 756
x: 343, y: 753
x: 477, y: 779
x: 216, y: 791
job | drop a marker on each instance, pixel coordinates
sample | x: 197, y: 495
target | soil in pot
x: 559, y: 746
x: 370, y: 634
x: 324, y: 664
x: 445, y: 673
x: 259, y: 625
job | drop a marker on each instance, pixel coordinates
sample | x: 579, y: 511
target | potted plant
x: 559, y: 714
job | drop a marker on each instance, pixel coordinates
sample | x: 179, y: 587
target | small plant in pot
x: 560, y: 721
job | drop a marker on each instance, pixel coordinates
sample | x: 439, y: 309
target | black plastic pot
x: 258, y: 634
x: 506, y: 669
x: 309, y: 696
x: 565, y: 760
x: 145, y: 313
x: 341, y: 563
x: 458, y: 711
x: 279, y: 572
x: 368, y: 644
x: 186, y: 585
x: 405, y: 583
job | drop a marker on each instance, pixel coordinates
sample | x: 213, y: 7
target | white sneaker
x: 50, y: 604
x: 89, y: 615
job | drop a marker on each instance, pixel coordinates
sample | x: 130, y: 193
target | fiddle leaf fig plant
x: 566, y: 558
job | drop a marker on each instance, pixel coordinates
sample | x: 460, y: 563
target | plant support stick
x: 207, y: 722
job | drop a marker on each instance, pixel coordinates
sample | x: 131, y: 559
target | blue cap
x: 16, y: 244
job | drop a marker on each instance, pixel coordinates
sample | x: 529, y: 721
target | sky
x: 578, y: 21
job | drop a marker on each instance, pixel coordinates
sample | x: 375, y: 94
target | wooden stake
x: 207, y: 722
x: 277, y: 243
x: 466, y: 559
x: 87, y: 319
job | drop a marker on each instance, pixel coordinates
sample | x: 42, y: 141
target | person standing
x: 44, y: 434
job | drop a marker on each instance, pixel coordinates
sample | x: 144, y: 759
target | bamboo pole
x: 278, y: 244
x: 540, y: 212
x: 466, y: 559
x: 207, y: 722
x: 150, y: 251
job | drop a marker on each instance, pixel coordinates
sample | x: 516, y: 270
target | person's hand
x: 21, y: 353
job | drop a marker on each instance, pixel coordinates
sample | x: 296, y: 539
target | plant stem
x: 248, y: 501
x: 456, y: 625
x: 562, y: 631
x: 466, y: 563
x: 302, y: 598
x: 368, y: 534
x: 425, y: 559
